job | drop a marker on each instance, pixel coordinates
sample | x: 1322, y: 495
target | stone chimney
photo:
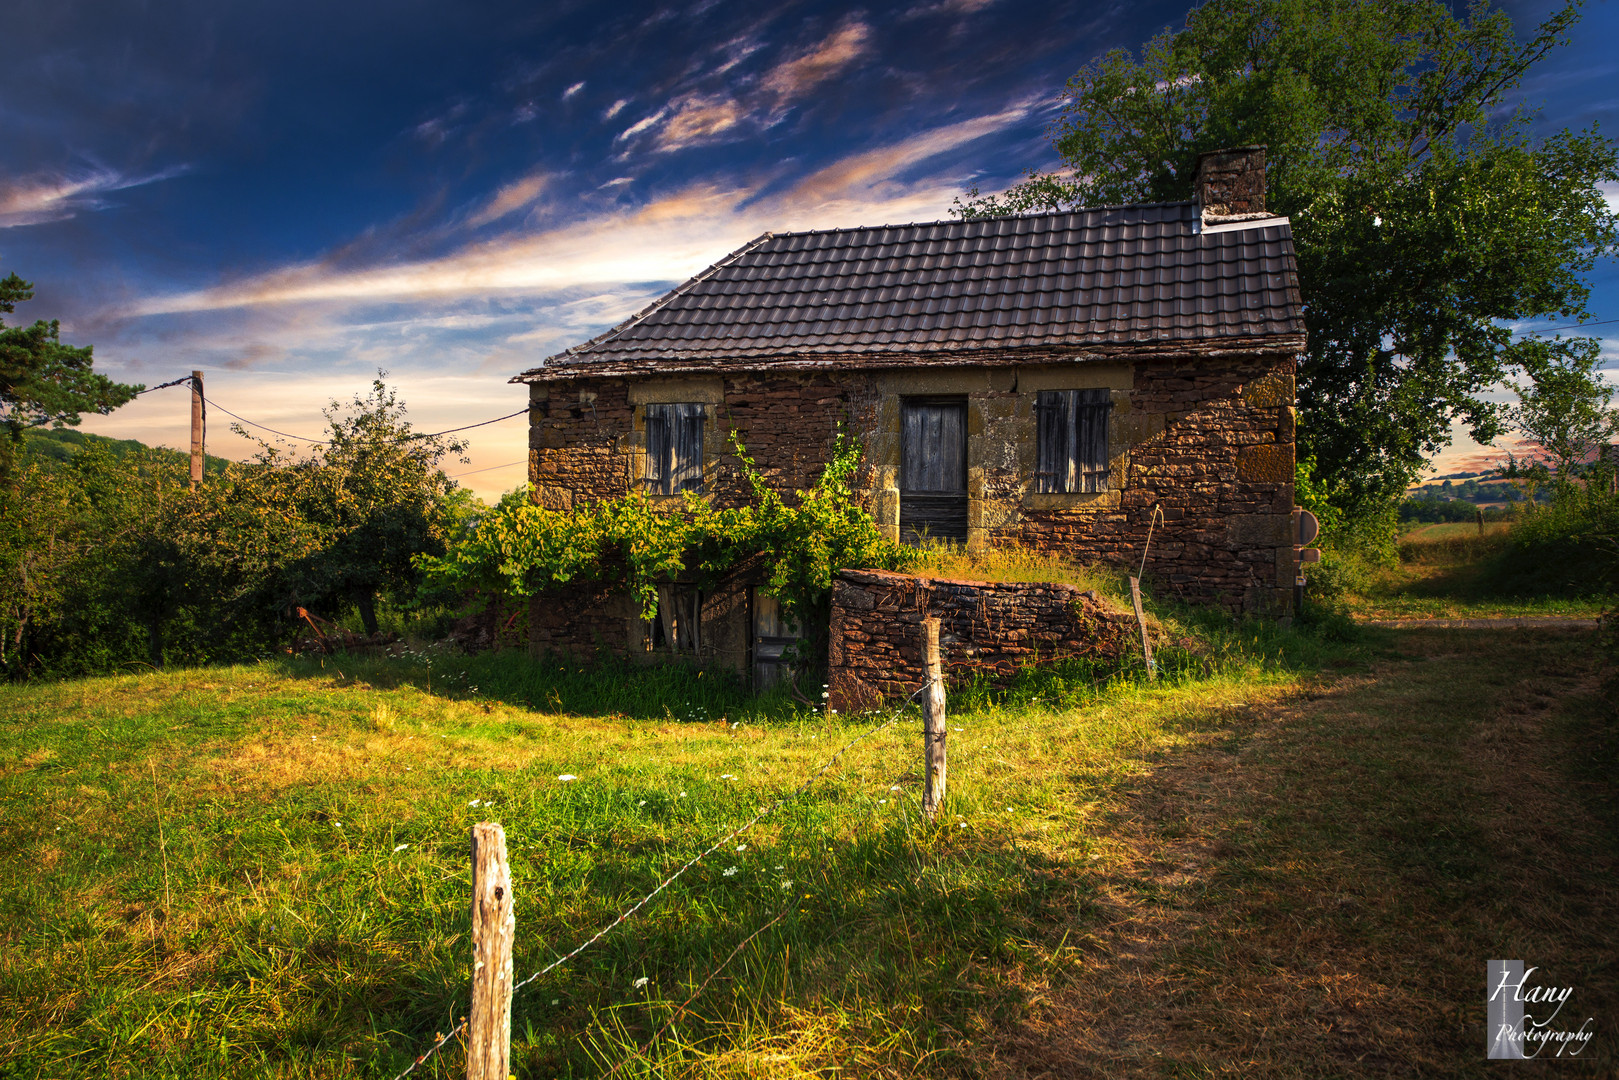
x: 1231, y: 184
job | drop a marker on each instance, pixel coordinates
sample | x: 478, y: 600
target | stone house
x: 1058, y: 380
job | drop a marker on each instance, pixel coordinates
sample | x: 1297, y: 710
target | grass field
x: 1443, y: 571
x: 1291, y: 858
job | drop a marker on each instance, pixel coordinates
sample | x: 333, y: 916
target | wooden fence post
x: 494, y: 922
x: 933, y: 729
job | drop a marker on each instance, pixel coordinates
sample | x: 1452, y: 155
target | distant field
x: 1452, y: 529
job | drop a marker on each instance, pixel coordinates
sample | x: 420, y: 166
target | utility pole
x: 196, y: 429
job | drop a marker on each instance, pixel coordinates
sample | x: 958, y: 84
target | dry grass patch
x: 1318, y: 896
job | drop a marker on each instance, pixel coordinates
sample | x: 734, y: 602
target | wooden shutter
x: 1071, y: 440
x: 674, y: 448
x: 1091, y: 410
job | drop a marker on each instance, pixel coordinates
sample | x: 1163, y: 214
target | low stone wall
x: 986, y: 628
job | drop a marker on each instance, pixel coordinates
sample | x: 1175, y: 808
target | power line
x: 327, y: 442
x: 492, y: 468
x: 261, y: 427
x: 1577, y: 326
x: 468, y: 427
x: 164, y: 386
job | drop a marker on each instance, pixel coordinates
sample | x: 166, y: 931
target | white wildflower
x: 474, y: 802
x: 565, y: 777
x: 787, y: 884
x: 742, y: 847
x: 400, y: 847
x: 727, y: 776
x: 641, y: 803
x: 642, y: 981
x: 730, y: 871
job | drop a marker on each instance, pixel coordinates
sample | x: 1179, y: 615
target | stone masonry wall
x: 1201, y: 451
x: 1218, y: 470
x: 992, y: 628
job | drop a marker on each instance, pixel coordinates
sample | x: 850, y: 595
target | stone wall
x: 1200, y: 450
x: 986, y: 628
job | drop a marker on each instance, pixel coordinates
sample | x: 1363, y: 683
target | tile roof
x: 1119, y: 279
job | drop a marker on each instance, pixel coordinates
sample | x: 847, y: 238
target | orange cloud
x: 513, y: 196
x: 791, y: 78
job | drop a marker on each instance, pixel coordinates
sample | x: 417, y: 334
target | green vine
x: 520, y: 550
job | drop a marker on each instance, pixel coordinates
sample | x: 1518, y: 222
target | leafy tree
x: 43, y: 381
x: 1423, y: 213
x: 1564, y: 408
x: 377, y: 498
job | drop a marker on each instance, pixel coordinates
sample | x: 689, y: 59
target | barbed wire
x: 781, y: 914
x: 894, y: 715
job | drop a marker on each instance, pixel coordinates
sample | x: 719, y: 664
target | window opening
x: 1072, y: 435
x: 674, y: 448
x: 677, y: 626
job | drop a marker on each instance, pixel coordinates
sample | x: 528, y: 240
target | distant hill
x: 61, y: 444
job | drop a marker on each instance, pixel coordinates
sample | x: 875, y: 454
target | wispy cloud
x: 615, y: 108
x: 572, y: 90
x: 512, y: 197
x: 794, y: 77
x: 666, y: 239
x: 697, y: 118
x: 37, y: 199
x: 641, y: 125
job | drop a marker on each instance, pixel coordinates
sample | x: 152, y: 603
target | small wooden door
x: 774, y: 639
x: 933, y: 469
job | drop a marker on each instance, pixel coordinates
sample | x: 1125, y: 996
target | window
x: 674, y: 448
x: 1072, y: 453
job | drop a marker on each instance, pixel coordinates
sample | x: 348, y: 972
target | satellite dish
x: 1308, y: 527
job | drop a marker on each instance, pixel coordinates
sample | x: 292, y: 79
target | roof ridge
x: 1027, y: 214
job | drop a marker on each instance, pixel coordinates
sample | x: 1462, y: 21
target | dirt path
x: 1316, y: 889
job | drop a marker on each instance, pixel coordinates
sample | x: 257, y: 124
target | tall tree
x: 43, y: 381
x: 1564, y: 410
x: 1424, y: 213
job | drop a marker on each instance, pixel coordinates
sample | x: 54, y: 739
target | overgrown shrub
x: 1568, y: 548
x: 110, y: 559
x: 795, y: 545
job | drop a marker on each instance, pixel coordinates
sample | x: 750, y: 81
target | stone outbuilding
x: 1058, y: 380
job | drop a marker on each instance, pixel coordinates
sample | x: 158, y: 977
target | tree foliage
x: 1564, y: 409
x: 1423, y: 212
x: 111, y: 558
x: 43, y: 381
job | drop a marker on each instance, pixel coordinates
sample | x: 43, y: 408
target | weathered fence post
x: 494, y: 922
x: 933, y: 729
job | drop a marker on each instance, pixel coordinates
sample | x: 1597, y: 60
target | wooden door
x: 933, y: 469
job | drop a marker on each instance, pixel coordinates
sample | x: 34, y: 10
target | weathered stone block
x: 1259, y: 530
x: 1267, y: 463
x: 1273, y: 390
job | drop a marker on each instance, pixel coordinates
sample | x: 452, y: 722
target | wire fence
x: 892, y: 717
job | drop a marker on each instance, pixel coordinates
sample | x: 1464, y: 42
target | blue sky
x: 291, y: 196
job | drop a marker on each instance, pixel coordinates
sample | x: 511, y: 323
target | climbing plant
x: 519, y: 550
